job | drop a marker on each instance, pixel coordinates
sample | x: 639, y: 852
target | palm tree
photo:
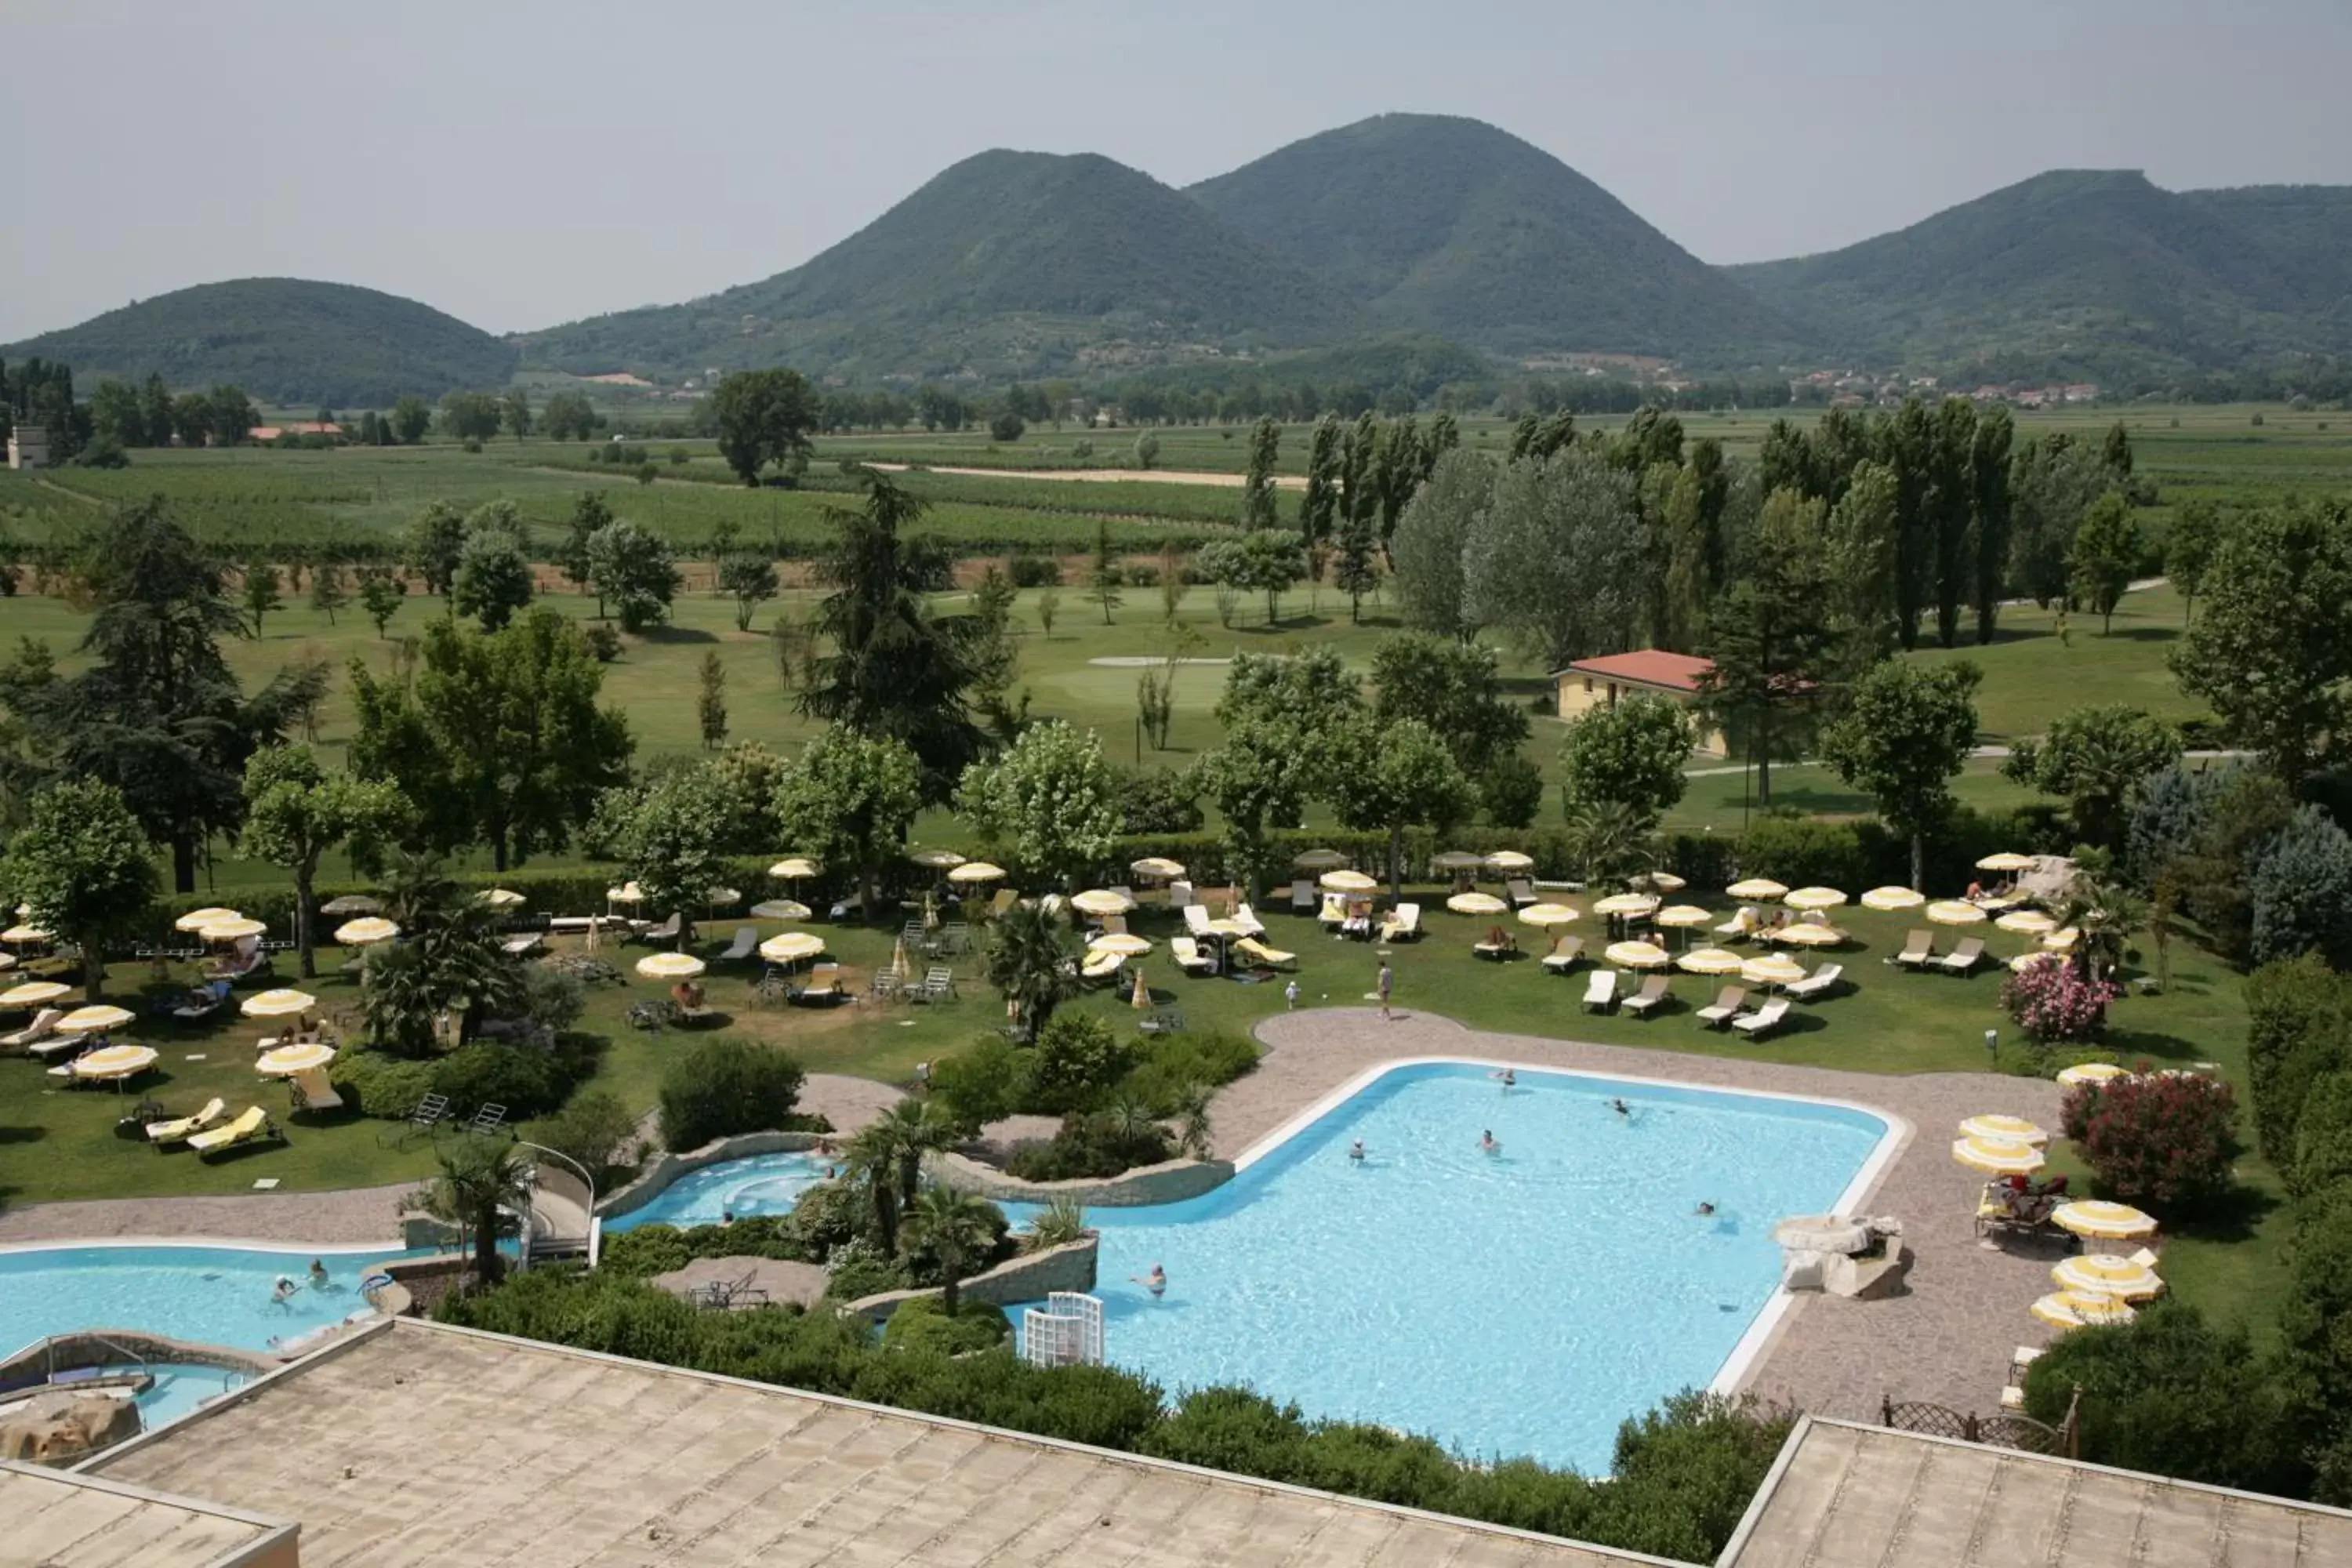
x: 1609, y: 841
x: 873, y: 1156
x: 2106, y: 913
x: 958, y: 1229
x: 919, y: 1127
x: 479, y: 1179
x: 1130, y: 1122
x: 1030, y: 964
x: 1194, y: 1133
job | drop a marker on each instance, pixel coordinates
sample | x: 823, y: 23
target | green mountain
x: 285, y: 340
x: 1006, y: 263
x: 1449, y: 226
x: 2086, y: 271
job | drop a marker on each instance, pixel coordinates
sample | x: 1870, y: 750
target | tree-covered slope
x: 2083, y: 271
x: 1450, y: 226
x: 1007, y: 263
x: 284, y: 340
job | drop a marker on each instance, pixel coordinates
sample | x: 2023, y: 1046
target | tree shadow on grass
x: 2234, y: 1217
x: 2139, y: 634
x: 676, y: 635
x: 23, y: 1134
x: 2133, y: 1045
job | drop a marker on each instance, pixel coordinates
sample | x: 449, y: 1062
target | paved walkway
x: 1947, y: 1340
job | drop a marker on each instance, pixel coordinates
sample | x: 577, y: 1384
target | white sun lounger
x: 1601, y: 990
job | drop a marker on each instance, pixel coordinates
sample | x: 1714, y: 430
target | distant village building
x: 1590, y: 683
x: 298, y: 427
x: 29, y: 448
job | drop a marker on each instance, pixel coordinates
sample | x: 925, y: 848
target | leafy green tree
x: 1558, y: 562
x: 1697, y: 555
x: 2053, y: 482
x: 588, y: 513
x: 156, y: 712
x: 1397, y: 775
x: 2095, y: 757
x: 471, y: 416
x: 2298, y: 1036
x: 1456, y: 688
x: 764, y: 417
x: 1260, y: 780
x: 1993, y: 514
x: 82, y: 864
x: 2302, y: 889
x: 847, y: 801
x: 2105, y: 553
x: 1769, y: 637
x: 568, y: 416
x: 710, y: 702
x: 1632, y: 753
x: 1104, y: 579
x: 1356, y: 571
x: 2272, y: 653
x: 1147, y: 450
x: 436, y: 537
x: 515, y: 412
x: 411, y: 418
x: 501, y: 741
x: 1314, y: 692
x: 896, y: 669
x: 1032, y: 962
x: 1257, y: 478
x: 1433, y: 538
x: 1861, y: 542
x: 381, y: 594
x: 329, y: 592
x: 1051, y: 800
x: 721, y: 1087
x: 1318, y: 507
x: 1265, y: 561
x: 232, y: 416
x: 1905, y: 733
x: 493, y: 580
x: 751, y: 579
x: 257, y: 587
x: 296, y: 811
x: 634, y: 570
x: 674, y: 844
x: 2190, y: 549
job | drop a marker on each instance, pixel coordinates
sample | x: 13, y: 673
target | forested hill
x: 283, y: 339
x: 1444, y: 225
x: 2091, y: 272
x: 1007, y: 263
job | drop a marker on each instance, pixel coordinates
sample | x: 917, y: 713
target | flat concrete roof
x: 60, y: 1520
x: 1849, y: 1496
x: 422, y: 1443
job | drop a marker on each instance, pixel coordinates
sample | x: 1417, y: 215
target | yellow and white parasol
x: 2027, y: 923
x: 2106, y: 1274
x: 196, y: 919
x: 500, y: 898
x: 285, y: 1061
x: 1710, y: 961
x: 1547, y: 916
x: 1772, y: 969
x: 32, y: 993
x: 1477, y: 904
x: 793, y: 867
x: 1124, y: 943
x: 2102, y: 1221
x: 791, y: 946
x: 1891, y: 899
x: 2007, y: 860
x: 1998, y: 1156
x: 972, y: 873
x: 366, y: 931
x: 1347, y: 882
x: 2077, y: 1309
x: 1156, y: 868
x: 2008, y: 1129
x: 1637, y: 956
x: 1814, y: 898
x: 780, y: 910
x: 1805, y: 933
x: 670, y: 966
x: 114, y: 1062
x: 1101, y: 901
x: 1764, y: 889
x: 2091, y: 1072
x: 235, y: 930
x: 95, y: 1019
x: 1508, y: 860
x: 937, y: 859
x: 1955, y: 912
x: 281, y: 1003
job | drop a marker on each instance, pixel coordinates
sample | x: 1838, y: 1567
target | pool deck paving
x: 1947, y: 1340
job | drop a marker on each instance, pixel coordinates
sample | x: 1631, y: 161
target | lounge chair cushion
x: 180, y: 1127
x: 247, y: 1126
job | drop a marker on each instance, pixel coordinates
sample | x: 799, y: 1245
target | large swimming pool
x: 213, y: 1295
x: 1520, y: 1303
x: 754, y: 1184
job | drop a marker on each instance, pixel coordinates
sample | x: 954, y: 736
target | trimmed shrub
x: 528, y: 1081
x: 859, y: 1270
x: 1174, y: 1063
x: 985, y: 1081
x: 2298, y: 1029
x: 2162, y: 1141
x: 596, y: 1130
x: 377, y: 1083
x: 2302, y: 890
x: 2055, y: 1004
x: 922, y: 1324
x: 2323, y: 1139
x: 724, y: 1086
x: 2167, y: 1392
x: 1799, y: 851
x: 1095, y: 1145
x: 1075, y: 1062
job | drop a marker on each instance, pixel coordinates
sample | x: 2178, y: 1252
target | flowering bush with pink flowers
x: 2165, y: 1140
x: 2055, y: 1004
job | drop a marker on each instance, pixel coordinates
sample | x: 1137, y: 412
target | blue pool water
x: 216, y: 1295
x: 1519, y: 1304
x: 756, y: 1184
x: 179, y: 1389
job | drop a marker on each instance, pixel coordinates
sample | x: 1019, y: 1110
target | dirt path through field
x: 1099, y: 476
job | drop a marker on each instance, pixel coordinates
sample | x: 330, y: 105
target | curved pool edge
x: 1749, y: 1352
x: 198, y: 1243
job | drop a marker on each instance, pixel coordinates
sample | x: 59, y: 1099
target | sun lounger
x: 1564, y: 955
x: 1919, y: 947
x: 1964, y: 955
x: 1519, y: 891
x: 666, y: 932
x: 1114, y: 925
x: 1496, y: 946
x: 1762, y: 1021
x: 1302, y: 897
x: 181, y: 1128
x: 1189, y: 956
x: 823, y: 984
x: 1246, y: 918
x: 746, y: 943
x: 1263, y: 956
x: 1405, y: 922
x: 1334, y: 912
x: 1196, y: 922
x: 1001, y: 905
x: 216, y: 997
x: 252, y: 1127
x: 1652, y: 994
x: 521, y: 944
x: 1725, y: 1008
x: 1101, y: 967
x: 313, y: 1092
x: 1180, y: 893
x: 34, y: 1032
x: 1741, y: 924
x: 489, y: 1119
x: 65, y: 1046
x: 1600, y: 991
x: 1818, y: 982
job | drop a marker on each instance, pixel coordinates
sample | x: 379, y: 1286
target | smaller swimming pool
x: 179, y: 1388
x: 755, y: 1184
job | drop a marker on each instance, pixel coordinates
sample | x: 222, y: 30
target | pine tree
x: 710, y: 707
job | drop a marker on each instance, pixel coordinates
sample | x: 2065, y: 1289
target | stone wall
x: 668, y: 1168
x: 1172, y: 1181
x: 1028, y: 1278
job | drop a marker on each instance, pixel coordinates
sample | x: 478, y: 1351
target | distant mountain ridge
x: 287, y: 340
x: 2088, y: 270
x: 1444, y: 224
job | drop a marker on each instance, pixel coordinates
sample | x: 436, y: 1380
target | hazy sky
x: 520, y: 164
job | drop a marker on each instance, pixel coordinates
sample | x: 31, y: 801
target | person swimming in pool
x: 1488, y: 1143
x: 318, y: 1274
x: 1621, y: 1109
x: 1703, y: 1210
x: 284, y: 1291
x: 1156, y: 1281
x: 1507, y: 1078
x: 1356, y: 1150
